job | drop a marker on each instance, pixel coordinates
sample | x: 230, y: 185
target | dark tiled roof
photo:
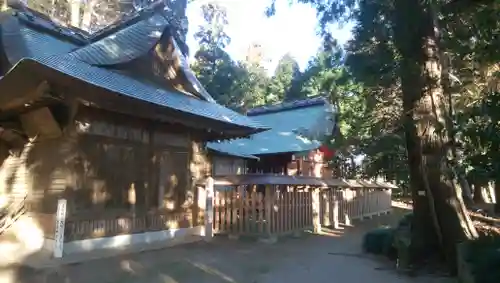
x: 40, y: 44
x: 129, y: 87
x: 83, y: 61
x: 14, y: 45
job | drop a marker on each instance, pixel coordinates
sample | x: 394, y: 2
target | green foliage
x: 388, y: 240
x: 241, y: 85
x: 429, y: 75
x: 483, y: 258
x: 362, y: 81
x: 405, y: 221
x: 286, y: 74
x: 480, y: 135
x: 373, y: 61
x: 231, y: 83
x: 379, y: 241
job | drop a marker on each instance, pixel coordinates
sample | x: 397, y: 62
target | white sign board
x: 209, y: 209
x: 59, y: 233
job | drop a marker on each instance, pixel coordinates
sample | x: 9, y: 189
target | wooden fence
x: 252, y: 214
x: 279, y: 209
x: 343, y: 205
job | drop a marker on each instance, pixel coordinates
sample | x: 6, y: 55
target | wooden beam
x: 30, y: 92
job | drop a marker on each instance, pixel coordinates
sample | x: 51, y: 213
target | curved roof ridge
x: 267, y: 109
x: 190, y: 76
x: 125, y: 44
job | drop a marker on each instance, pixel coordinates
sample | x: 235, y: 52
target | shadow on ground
x: 333, y: 256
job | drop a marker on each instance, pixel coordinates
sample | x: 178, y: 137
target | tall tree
x: 287, y: 71
x: 415, y: 30
x: 234, y: 84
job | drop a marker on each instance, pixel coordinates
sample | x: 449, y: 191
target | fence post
x: 368, y: 208
x: 325, y: 205
x: 379, y: 195
x: 209, y: 209
x: 336, y: 224
x: 316, y: 211
x: 269, y: 237
x: 389, y: 201
x: 59, y: 231
x: 347, y: 205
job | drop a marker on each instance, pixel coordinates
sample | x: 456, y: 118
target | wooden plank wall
x: 97, y: 163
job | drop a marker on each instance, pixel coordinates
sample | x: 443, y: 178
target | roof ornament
x: 17, y: 4
x: 140, y: 5
x: 174, y: 12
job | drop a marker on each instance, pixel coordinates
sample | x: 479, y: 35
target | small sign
x: 59, y: 233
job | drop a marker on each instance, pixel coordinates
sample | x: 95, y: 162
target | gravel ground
x: 332, y: 257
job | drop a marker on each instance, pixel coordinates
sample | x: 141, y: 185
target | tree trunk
x: 497, y: 196
x: 75, y: 13
x: 478, y: 194
x: 445, y: 77
x: 86, y: 23
x: 440, y: 219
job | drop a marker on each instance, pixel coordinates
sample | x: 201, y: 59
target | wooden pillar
x: 269, y: 237
x: 152, y: 177
x: 316, y: 211
x: 367, y: 203
x: 347, y: 205
x: 326, y: 202
x: 132, y: 198
x: 209, y: 208
x: 389, y: 201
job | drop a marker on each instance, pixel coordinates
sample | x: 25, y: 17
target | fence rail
x: 279, y: 210
x: 344, y: 205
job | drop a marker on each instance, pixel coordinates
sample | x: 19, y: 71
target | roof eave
x: 236, y: 154
x: 32, y: 73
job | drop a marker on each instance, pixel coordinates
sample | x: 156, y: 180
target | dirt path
x: 332, y: 257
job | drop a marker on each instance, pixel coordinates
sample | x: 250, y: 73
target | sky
x: 292, y: 30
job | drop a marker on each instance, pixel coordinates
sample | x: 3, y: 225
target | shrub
x: 380, y: 241
x: 405, y: 221
x: 483, y: 257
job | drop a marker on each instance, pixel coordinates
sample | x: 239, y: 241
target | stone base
x: 125, y: 241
